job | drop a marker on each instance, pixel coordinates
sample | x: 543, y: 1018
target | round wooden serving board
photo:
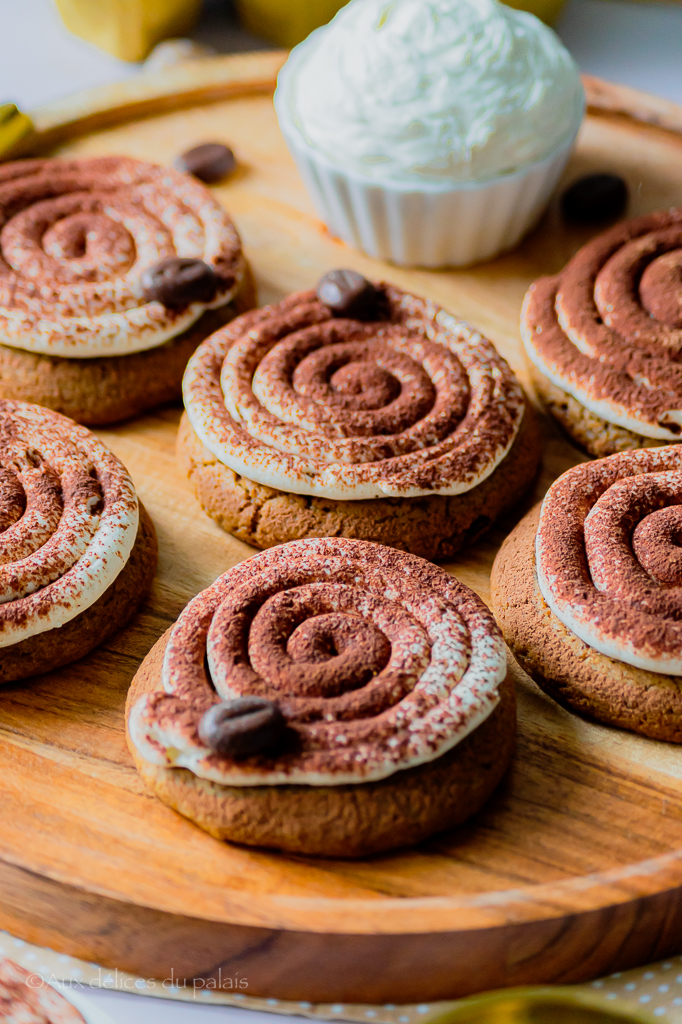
x: 575, y: 867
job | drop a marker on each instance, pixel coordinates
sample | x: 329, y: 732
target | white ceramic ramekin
x: 432, y: 224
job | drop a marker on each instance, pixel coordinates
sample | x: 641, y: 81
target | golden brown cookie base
x: 434, y: 527
x: 58, y: 647
x: 113, y: 388
x: 575, y: 675
x: 339, y: 821
x: 591, y: 433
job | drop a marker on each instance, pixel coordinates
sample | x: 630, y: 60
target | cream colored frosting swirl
x: 75, y: 239
x: 439, y: 90
x: 68, y: 520
x: 609, y: 556
x: 377, y: 659
x: 608, y: 328
x: 415, y: 403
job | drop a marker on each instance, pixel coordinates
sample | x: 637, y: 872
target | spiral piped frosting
x: 377, y: 659
x: 609, y: 556
x: 68, y: 520
x: 75, y: 240
x: 608, y: 329
x: 293, y: 398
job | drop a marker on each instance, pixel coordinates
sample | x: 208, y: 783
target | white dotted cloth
x: 656, y: 989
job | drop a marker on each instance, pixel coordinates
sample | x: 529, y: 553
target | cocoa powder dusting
x: 77, y: 237
x: 59, y: 489
x: 413, y: 403
x: 609, y: 553
x: 609, y: 327
x: 376, y: 658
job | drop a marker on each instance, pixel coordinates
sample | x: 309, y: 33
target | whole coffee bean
x: 348, y: 294
x: 243, y: 727
x: 210, y: 162
x: 595, y: 199
x: 178, y: 282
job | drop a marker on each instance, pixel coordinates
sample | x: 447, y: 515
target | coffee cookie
x: 24, y: 999
x: 329, y: 697
x: 112, y: 271
x: 604, y: 337
x: 77, y: 550
x: 371, y: 414
x: 432, y: 526
x: 586, y: 590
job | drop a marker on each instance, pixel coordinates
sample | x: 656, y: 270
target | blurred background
x: 637, y: 44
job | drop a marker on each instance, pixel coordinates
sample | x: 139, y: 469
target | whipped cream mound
x: 433, y: 90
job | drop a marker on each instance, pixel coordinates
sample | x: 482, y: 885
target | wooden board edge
x: 204, y: 80
x: 330, y: 967
x: 609, y: 892
x: 610, y: 98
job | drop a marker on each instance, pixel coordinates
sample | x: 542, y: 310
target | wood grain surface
x: 574, y: 869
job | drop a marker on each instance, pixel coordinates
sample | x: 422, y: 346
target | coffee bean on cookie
x: 176, y: 282
x: 348, y: 294
x: 210, y: 162
x: 595, y: 199
x: 243, y: 727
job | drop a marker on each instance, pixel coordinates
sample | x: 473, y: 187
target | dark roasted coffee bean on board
x: 348, y: 294
x: 178, y: 282
x: 243, y: 727
x: 210, y: 162
x: 595, y: 199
